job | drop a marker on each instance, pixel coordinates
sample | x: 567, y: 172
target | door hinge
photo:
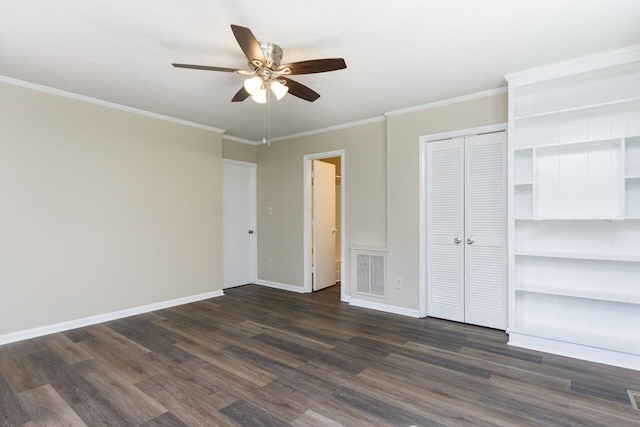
x: 313, y: 174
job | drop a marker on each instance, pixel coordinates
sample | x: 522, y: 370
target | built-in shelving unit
x: 574, y: 229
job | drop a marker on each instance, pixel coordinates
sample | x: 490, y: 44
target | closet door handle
x: 457, y: 240
x: 470, y: 241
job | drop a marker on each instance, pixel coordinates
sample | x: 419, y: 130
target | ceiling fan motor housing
x: 272, y: 53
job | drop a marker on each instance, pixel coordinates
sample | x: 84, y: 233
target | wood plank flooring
x: 264, y: 357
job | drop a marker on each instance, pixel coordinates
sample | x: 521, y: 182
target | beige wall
x: 232, y: 150
x: 280, y: 185
x: 101, y: 210
x: 403, y: 132
x: 371, y: 151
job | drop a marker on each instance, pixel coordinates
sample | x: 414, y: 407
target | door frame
x: 422, y: 200
x: 253, y: 218
x: 306, y: 164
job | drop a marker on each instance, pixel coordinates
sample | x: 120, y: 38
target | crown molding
x: 449, y: 101
x: 577, y: 65
x: 242, y: 140
x: 331, y: 128
x: 102, y: 103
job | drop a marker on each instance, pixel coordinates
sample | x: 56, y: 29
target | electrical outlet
x: 270, y: 263
x: 398, y: 282
x: 270, y: 210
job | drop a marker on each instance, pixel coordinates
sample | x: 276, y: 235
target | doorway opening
x: 324, y: 220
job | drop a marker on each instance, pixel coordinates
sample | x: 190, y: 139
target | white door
x: 238, y: 223
x: 445, y: 229
x: 466, y: 205
x: 323, y: 199
x: 485, y: 237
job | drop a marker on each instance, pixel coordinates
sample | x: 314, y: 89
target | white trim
x: 394, y: 309
x: 363, y: 248
x: 282, y: 286
x: 330, y: 128
x: 577, y: 351
x: 456, y: 100
x: 242, y: 140
x: 102, y: 103
x: 346, y: 298
x: 422, y: 229
x: 576, y: 65
x: 306, y: 163
x: 253, y: 167
x: 101, y: 318
x: 498, y: 127
x: 422, y: 202
x: 511, y: 224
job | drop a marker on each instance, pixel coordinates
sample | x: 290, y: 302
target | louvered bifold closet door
x: 485, y: 239
x: 445, y: 232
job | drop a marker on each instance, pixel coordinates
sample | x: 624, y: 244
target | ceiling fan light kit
x: 265, y: 71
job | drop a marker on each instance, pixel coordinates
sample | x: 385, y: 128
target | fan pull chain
x: 269, y: 118
x: 266, y: 122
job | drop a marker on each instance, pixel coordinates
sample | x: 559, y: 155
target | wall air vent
x: 369, y: 271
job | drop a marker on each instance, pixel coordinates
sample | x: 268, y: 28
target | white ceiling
x: 399, y: 54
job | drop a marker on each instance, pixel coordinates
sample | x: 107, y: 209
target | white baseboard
x: 385, y: 307
x: 283, y: 286
x: 100, y: 318
x: 346, y: 298
x: 576, y: 351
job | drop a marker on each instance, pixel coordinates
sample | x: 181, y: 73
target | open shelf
x: 616, y: 219
x: 569, y: 143
x: 586, y: 338
x: 578, y: 293
x: 594, y: 256
x: 575, y: 186
x: 603, y: 218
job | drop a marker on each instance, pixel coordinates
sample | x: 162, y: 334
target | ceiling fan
x: 266, y: 72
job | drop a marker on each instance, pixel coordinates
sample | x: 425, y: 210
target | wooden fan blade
x: 300, y: 90
x: 315, y: 66
x: 205, y: 67
x: 248, y: 43
x: 241, y: 95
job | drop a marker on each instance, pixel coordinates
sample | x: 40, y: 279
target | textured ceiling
x: 399, y: 54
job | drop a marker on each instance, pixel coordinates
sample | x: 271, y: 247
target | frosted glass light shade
x: 260, y: 96
x: 253, y: 85
x: 278, y: 89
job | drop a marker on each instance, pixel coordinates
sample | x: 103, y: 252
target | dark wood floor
x: 260, y: 356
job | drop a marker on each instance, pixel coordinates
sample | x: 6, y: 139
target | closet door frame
x: 422, y: 200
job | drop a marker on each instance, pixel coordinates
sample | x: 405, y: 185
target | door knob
x: 250, y: 231
x: 470, y: 241
x: 457, y: 240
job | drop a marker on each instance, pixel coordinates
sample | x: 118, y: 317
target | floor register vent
x: 370, y: 271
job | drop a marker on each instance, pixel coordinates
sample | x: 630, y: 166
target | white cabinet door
x: 445, y: 229
x: 485, y: 239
